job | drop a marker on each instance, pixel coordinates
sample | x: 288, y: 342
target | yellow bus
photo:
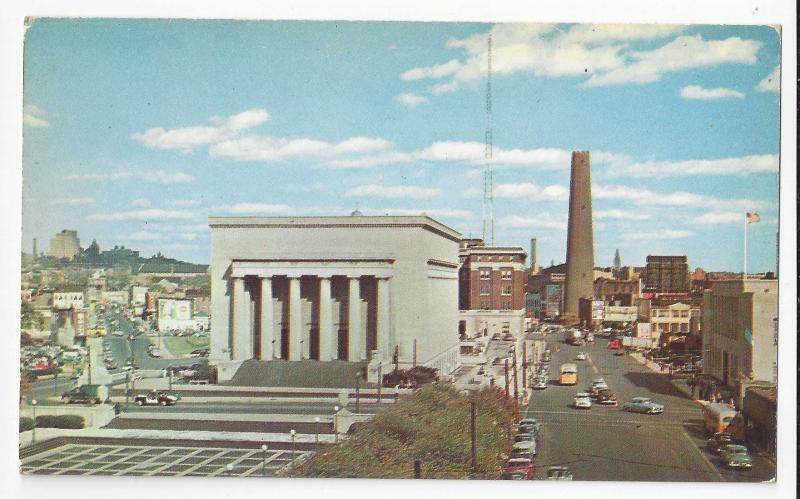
x: 569, y: 374
x: 722, y: 417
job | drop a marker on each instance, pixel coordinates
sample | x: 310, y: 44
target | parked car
x: 580, y: 356
x: 111, y: 365
x: 540, y: 383
x: 736, y: 456
x: 156, y: 398
x: 643, y: 405
x: 84, y: 394
x: 530, y: 423
x: 524, y: 437
x: 155, y: 353
x: 606, y: 397
x: 560, y: 473
x: 526, y: 447
x: 590, y: 338
x: 718, y: 441
x: 118, y: 333
x: 519, y: 468
x: 582, y: 401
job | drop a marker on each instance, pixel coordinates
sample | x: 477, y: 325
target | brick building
x: 666, y: 274
x: 492, y: 283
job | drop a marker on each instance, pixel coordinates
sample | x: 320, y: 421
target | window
x: 485, y: 290
x: 506, y: 305
x: 506, y: 274
x: 684, y: 313
x: 506, y: 291
x: 484, y: 305
x: 486, y: 273
x: 676, y: 313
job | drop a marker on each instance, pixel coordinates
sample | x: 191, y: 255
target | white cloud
x: 717, y: 218
x: 410, y: 191
x: 264, y: 148
x: 543, y: 221
x: 684, y: 52
x: 240, y: 208
x: 657, y: 234
x: 771, y: 83
x: 147, y: 214
x: 141, y: 202
x: 602, y: 52
x: 387, y: 158
x: 475, y: 152
x: 156, y: 177
x: 186, y: 138
x: 744, y: 165
x: 412, y: 100
x: 619, y: 215
x: 532, y: 191
x: 696, y: 92
x: 437, y: 71
x: 31, y: 116
x: 647, y: 197
x: 71, y: 201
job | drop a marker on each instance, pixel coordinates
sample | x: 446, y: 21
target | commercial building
x: 65, y: 244
x: 666, y: 274
x: 491, y: 290
x: 740, y: 331
x: 617, y: 291
x: 64, y: 300
x: 580, y: 237
x: 359, y: 289
x: 174, y: 314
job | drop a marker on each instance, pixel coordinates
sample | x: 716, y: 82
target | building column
x: 327, y: 339
x: 355, y: 333
x: 295, y: 320
x: 384, y: 321
x: 267, y: 320
x: 242, y: 334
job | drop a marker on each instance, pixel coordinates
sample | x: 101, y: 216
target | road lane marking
x: 708, y: 462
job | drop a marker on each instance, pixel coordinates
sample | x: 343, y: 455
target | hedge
x: 431, y: 426
x: 25, y: 424
x: 67, y: 421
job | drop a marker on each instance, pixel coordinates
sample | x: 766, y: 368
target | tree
x: 30, y: 318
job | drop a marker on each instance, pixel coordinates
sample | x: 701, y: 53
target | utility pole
x: 524, y: 365
x: 506, y: 375
x: 358, y: 394
x: 89, y: 360
x: 414, y: 363
x: 516, y: 386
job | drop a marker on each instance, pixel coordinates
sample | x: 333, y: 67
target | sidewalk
x: 678, y: 383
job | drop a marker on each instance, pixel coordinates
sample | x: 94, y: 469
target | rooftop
x: 422, y: 221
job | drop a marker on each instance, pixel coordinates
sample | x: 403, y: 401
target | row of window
x: 506, y: 305
x: 505, y: 291
x: 675, y: 313
x: 495, y: 258
x: 505, y: 274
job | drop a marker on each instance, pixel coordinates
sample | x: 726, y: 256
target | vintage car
x: 606, y: 397
x: 736, y: 457
x: 582, y: 401
x: 155, y: 398
x: 519, y: 468
x: 560, y: 473
x: 643, y: 405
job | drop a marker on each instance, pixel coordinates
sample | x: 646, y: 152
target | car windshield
x: 641, y: 400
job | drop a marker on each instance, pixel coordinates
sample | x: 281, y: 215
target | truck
x: 573, y: 337
x: 633, y: 342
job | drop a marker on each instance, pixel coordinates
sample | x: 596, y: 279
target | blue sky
x: 135, y: 131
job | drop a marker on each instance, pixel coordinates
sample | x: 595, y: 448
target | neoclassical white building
x: 350, y: 288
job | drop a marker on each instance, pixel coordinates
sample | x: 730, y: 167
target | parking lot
x: 149, y: 460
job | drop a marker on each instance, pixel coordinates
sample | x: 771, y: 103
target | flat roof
x: 422, y: 221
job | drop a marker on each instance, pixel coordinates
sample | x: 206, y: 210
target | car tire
x: 163, y: 403
x: 139, y: 403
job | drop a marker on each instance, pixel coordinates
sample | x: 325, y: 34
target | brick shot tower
x: 580, y: 238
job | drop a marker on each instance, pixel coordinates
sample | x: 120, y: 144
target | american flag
x: 752, y: 217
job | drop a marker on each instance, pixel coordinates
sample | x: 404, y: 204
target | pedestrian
x: 732, y: 403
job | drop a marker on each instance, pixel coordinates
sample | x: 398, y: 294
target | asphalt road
x: 607, y: 443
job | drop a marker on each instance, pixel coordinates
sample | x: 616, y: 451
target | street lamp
x: 336, y: 424
x: 264, y: 460
x: 33, y: 430
x: 358, y: 394
x: 292, y: 433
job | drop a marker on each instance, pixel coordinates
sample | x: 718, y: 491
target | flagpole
x: 744, y: 272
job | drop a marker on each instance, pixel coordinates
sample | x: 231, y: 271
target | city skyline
x: 186, y: 119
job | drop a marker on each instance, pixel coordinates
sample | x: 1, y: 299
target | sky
x: 135, y: 131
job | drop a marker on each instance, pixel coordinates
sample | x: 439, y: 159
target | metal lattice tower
x: 488, y: 175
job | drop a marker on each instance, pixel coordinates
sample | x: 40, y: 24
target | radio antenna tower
x: 488, y: 175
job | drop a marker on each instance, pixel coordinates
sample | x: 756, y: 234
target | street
x: 607, y: 443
